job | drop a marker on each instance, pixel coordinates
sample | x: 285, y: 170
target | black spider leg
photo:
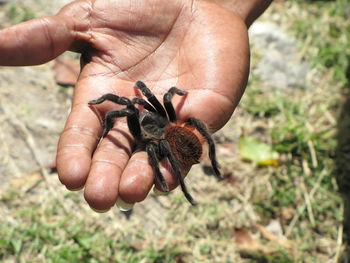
x: 166, y: 151
x: 122, y: 101
x: 168, y: 104
x: 152, y: 150
x: 144, y: 103
x: 111, y: 97
x: 151, y: 98
x: 131, y: 115
x: 200, y: 126
x: 130, y: 112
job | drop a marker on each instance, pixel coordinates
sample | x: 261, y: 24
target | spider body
x: 185, y: 143
x: 152, y: 126
x: 157, y: 131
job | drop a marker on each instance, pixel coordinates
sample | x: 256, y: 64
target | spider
x: 158, y: 132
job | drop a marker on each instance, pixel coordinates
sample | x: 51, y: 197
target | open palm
x: 194, y: 45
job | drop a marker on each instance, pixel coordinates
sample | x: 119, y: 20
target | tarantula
x: 158, y: 133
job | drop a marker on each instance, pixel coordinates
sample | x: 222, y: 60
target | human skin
x: 198, y: 46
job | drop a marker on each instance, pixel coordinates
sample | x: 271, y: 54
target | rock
x: 281, y: 64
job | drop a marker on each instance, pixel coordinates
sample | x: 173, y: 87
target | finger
x: 138, y: 178
x: 76, y: 146
x: 35, y: 41
x: 108, y: 163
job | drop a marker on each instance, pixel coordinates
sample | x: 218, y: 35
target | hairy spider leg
x: 152, y: 150
x: 130, y: 112
x: 166, y: 150
x: 151, y: 98
x: 132, y: 120
x: 144, y: 103
x: 168, y: 104
x: 200, y: 126
x: 122, y: 101
x: 111, y: 97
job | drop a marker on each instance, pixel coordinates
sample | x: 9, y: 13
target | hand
x: 194, y: 45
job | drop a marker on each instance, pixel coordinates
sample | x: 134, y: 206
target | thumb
x: 35, y: 41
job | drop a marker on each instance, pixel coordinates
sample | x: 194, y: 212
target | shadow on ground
x: 342, y: 160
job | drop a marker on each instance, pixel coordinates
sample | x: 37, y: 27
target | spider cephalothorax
x: 158, y: 133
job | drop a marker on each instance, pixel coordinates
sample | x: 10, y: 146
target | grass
x: 326, y: 34
x: 300, y: 195
x: 303, y: 128
x: 305, y: 138
x: 280, y: 257
x: 53, y: 237
x: 18, y: 13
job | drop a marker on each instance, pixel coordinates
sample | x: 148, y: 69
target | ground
x: 278, y: 203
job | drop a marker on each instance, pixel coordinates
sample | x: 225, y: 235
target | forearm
x: 248, y: 10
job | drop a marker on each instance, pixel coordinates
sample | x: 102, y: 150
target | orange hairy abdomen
x: 186, y: 143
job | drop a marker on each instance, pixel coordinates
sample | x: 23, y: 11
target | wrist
x: 248, y: 10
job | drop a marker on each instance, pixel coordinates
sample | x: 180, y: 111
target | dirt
x: 31, y: 106
x: 33, y: 109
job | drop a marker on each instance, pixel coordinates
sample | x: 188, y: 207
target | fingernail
x: 156, y: 191
x: 75, y: 189
x: 123, y: 206
x: 100, y: 211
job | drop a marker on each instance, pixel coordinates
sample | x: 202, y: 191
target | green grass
x: 303, y: 126
x: 279, y: 257
x: 327, y: 32
x: 63, y: 238
x: 306, y: 153
x: 18, y: 13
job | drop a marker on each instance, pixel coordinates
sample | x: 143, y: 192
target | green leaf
x: 17, y: 245
x: 252, y: 149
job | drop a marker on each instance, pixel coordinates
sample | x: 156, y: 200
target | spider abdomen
x: 185, y: 144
